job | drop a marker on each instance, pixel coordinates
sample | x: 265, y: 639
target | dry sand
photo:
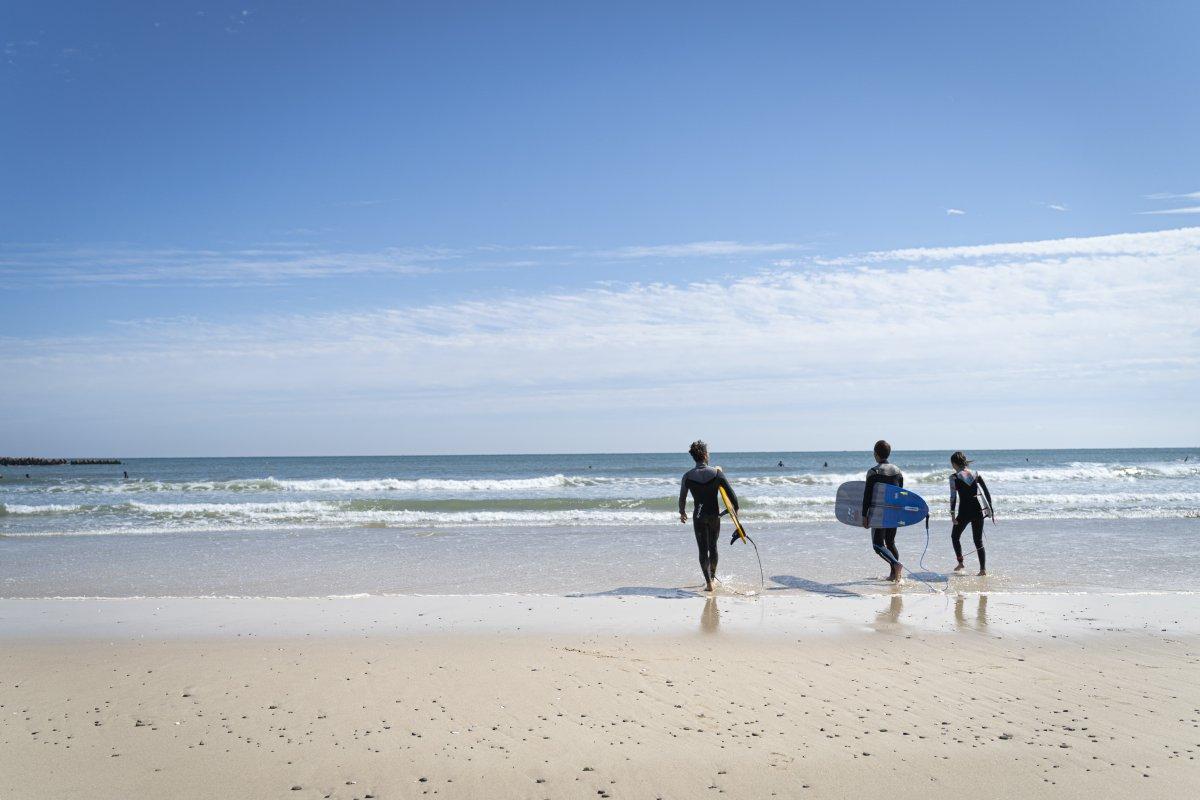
x: 888, y: 712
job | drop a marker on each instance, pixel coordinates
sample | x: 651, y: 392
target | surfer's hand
x: 682, y: 516
x: 866, y: 523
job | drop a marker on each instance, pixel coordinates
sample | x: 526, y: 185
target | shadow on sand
x: 642, y: 591
x: 804, y: 584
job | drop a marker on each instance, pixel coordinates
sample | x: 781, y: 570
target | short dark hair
x: 698, y: 451
x: 883, y: 449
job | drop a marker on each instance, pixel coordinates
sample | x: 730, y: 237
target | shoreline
x: 633, y: 614
x: 1024, y: 556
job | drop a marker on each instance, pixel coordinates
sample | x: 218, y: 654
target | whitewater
x: 1072, y: 519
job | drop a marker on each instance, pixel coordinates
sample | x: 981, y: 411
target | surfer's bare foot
x: 960, y: 567
x: 708, y: 587
x: 981, y: 573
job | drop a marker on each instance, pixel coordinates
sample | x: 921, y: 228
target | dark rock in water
x: 35, y: 461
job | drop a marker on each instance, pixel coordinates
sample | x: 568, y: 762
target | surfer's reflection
x: 710, y: 618
x: 960, y: 618
x: 890, y: 615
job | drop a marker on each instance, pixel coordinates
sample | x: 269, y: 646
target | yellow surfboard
x: 732, y: 512
x: 741, y: 532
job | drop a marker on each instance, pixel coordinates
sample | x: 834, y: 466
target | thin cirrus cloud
x: 708, y: 249
x: 288, y: 262
x: 1180, y: 210
x: 1170, y: 196
x: 1042, y: 325
x: 1177, y: 209
x: 1173, y: 243
x: 265, y: 264
x: 955, y: 212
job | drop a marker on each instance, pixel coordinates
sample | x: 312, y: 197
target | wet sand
x: 714, y: 706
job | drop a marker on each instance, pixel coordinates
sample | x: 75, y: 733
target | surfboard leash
x: 741, y: 534
x: 762, y: 580
x: 921, y: 562
x: 891, y: 559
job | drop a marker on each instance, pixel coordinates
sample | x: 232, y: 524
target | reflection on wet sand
x: 890, y: 616
x: 960, y: 619
x: 710, y: 618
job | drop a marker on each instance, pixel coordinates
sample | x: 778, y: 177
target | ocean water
x: 1068, y: 520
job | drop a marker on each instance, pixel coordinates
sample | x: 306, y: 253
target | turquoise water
x: 1069, y: 520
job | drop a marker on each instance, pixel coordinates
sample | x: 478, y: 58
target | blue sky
x: 231, y: 228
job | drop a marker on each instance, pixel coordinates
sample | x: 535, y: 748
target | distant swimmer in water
x: 964, y: 496
x: 781, y: 463
x: 883, y: 540
x: 702, y: 482
x: 826, y: 464
x: 126, y: 474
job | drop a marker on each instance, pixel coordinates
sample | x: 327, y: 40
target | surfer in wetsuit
x: 965, y: 508
x: 702, y: 482
x: 883, y: 539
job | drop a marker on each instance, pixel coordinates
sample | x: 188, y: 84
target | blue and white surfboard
x: 891, y: 506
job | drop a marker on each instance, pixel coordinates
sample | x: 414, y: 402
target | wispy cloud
x: 955, y: 212
x: 1177, y: 209
x: 1182, y: 210
x: 237, y: 21
x: 701, y: 249
x: 280, y: 262
x: 263, y: 264
x: 1158, y: 243
x: 1169, y: 196
x: 1035, y: 326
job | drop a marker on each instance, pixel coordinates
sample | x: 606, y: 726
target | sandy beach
x: 679, y: 698
x: 475, y: 401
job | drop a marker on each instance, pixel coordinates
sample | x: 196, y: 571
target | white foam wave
x: 315, y: 514
x: 47, y: 508
x: 341, y: 485
x: 545, y: 485
x: 1079, y: 472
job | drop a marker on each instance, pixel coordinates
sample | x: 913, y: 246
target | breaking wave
x: 519, y: 513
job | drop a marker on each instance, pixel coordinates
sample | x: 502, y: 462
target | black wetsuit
x: 882, y: 539
x: 964, y: 494
x: 702, y: 481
